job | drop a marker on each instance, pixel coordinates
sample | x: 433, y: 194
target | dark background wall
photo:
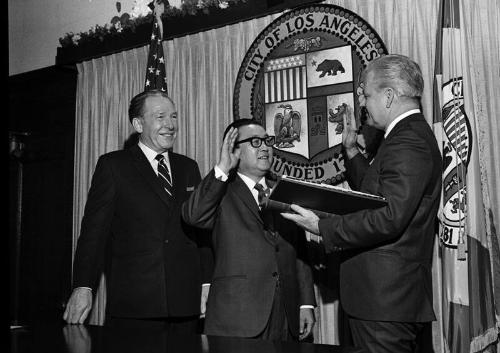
x: 42, y: 103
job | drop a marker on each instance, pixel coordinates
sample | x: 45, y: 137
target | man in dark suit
x: 385, y: 278
x: 154, y: 260
x: 261, y: 287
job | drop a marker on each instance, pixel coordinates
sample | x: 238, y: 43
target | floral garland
x: 142, y: 13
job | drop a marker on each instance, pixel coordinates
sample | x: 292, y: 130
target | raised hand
x: 350, y: 132
x: 229, y: 157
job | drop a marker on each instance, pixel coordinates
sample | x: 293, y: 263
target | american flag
x: 155, y: 72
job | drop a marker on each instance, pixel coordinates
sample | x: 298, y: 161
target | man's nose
x: 168, y: 122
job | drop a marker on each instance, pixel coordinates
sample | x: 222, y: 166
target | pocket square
x: 189, y: 188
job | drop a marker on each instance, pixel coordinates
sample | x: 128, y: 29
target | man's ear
x: 137, y: 124
x: 389, y: 94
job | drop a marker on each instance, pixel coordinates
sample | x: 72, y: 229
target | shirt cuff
x: 90, y: 289
x: 219, y: 174
x: 307, y: 306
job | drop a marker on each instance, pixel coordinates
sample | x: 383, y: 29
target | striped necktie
x: 265, y: 213
x: 164, y: 175
x: 262, y: 196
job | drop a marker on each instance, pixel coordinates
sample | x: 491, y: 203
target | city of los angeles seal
x: 299, y: 79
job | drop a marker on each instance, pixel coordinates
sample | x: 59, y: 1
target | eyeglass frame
x: 257, y: 138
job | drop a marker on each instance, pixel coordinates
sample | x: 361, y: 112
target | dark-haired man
x: 261, y: 287
x: 385, y: 279
x: 154, y: 261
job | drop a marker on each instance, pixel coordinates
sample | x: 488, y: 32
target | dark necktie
x: 164, y: 175
x: 266, y: 214
x: 262, y: 197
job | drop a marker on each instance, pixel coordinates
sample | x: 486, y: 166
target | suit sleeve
x: 201, y: 209
x: 304, y: 273
x: 95, y: 227
x: 355, y: 170
x: 403, y: 177
x: 203, y: 239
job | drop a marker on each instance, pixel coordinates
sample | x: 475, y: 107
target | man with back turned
x: 385, y: 277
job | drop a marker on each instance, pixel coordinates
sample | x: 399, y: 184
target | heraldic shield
x: 303, y: 72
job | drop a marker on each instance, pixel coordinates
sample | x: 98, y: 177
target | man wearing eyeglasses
x: 262, y: 285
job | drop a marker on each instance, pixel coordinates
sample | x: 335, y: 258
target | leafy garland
x: 119, y: 26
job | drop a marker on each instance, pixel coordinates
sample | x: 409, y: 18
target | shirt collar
x: 250, y: 183
x: 150, y: 154
x: 398, y: 119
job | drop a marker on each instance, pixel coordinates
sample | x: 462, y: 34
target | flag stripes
x: 285, y: 85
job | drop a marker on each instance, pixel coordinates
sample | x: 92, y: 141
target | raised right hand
x: 229, y: 157
x: 350, y: 134
x: 78, y: 307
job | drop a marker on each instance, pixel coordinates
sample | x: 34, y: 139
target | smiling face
x: 254, y: 162
x: 158, y: 124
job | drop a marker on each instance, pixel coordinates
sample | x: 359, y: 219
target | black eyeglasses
x: 256, y: 142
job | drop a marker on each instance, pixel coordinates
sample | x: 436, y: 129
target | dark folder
x: 323, y: 199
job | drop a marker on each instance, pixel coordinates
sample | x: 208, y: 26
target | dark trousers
x: 277, y: 325
x: 385, y: 337
x: 177, y: 325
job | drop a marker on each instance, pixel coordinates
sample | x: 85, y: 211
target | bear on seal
x: 330, y: 67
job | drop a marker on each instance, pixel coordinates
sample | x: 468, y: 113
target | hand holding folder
x: 324, y: 200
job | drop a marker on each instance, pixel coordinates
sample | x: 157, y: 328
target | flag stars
x: 284, y: 63
x: 155, y: 69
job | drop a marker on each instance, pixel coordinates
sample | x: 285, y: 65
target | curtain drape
x: 201, y: 72
x: 482, y: 50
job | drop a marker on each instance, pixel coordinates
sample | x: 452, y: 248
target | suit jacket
x: 154, y: 257
x: 248, y: 260
x: 386, y: 273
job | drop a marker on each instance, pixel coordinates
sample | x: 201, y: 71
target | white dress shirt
x: 151, y: 156
x: 398, y: 119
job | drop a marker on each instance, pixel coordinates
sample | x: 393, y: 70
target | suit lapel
x: 245, y: 195
x: 144, y: 167
x: 177, y: 177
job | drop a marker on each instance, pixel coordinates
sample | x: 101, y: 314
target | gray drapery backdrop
x: 201, y: 72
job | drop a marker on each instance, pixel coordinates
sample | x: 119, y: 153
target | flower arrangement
x: 140, y: 14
